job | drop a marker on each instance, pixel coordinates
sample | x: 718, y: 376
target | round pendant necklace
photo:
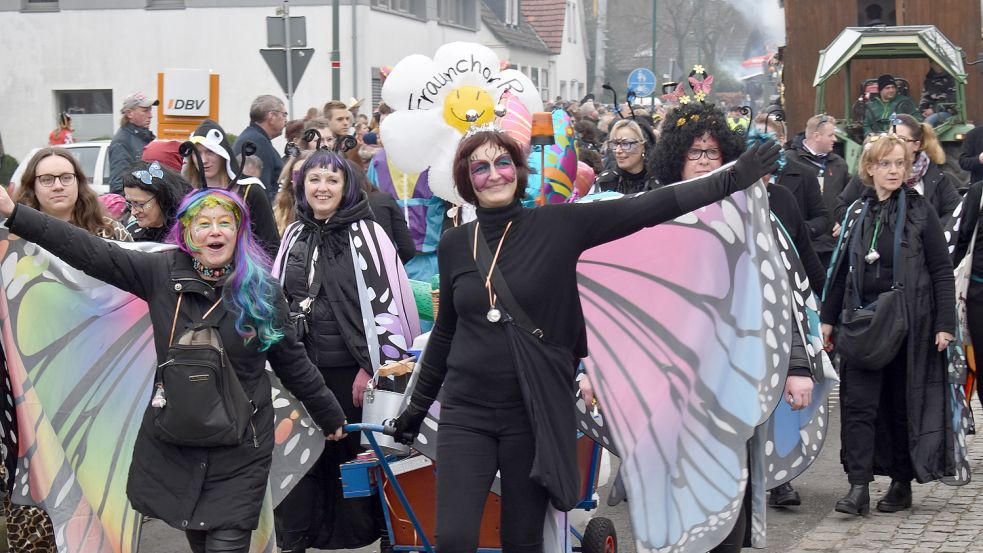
x: 494, y: 315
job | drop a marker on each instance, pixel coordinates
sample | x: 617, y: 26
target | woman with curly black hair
x: 695, y: 140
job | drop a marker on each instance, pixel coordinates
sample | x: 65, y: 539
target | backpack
x: 198, y: 399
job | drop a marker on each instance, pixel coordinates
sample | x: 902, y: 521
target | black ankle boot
x: 784, y: 496
x: 897, y: 498
x: 856, y: 501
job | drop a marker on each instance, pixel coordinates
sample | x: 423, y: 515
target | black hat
x: 885, y: 80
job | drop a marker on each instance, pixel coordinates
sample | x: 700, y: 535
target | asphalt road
x: 819, y: 487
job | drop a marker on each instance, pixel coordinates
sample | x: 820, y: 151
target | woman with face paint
x: 213, y: 494
x: 508, y: 401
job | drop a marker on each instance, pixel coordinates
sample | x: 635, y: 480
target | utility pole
x: 336, y: 50
x: 287, y: 47
x: 655, y: 9
x: 600, y: 47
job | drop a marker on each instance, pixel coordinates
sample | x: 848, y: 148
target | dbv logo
x: 190, y: 104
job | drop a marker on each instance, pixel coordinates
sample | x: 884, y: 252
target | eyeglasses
x: 283, y: 113
x: 885, y: 165
x: 47, y: 181
x: 694, y: 154
x: 138, y: 206
x: 627, y: 146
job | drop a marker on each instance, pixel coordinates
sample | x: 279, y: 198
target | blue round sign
x: 642, y: 81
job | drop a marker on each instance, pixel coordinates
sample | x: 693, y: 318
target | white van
x: 92, y: 156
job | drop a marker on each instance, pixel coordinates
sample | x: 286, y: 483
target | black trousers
x: 475, y: 442
x: 219, y: 541
x: 866, y: 396
x: 974, y: 315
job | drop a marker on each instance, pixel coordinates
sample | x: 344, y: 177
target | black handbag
x: 198, y: 400
x: 869, y: 336
x: 547, y: 376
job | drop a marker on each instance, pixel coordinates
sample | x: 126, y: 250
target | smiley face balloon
x: 437, y: 100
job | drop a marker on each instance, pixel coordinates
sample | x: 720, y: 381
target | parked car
x: 92, y: 156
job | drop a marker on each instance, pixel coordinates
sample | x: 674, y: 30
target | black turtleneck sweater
x: 539, y: 261
x: 619, y: 180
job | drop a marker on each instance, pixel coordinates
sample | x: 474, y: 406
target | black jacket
x: 969, y: 225
x: 940, y: 191
x: 801, y: 181
x: 326, y: 346
x: 187, y: 487
x: 272, y: 162
x: 261, y: 218
x: 619, y: 180
x: 833, y: 175
x: 969, y: 158
x: 127, y: 146
x: 929, y: 292
x: 388, y: 214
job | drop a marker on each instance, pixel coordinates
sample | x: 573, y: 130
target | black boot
x: 897, y: 498
x: 784, y: 496
x: 856, y: 501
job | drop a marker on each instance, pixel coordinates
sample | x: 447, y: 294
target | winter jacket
x: 969, y: 226
x: 929, y: 292
x: 388, y: 214
x: 187, y: 487
x: 326, y: 346
x: 878, y: 112
x: 125, y: 149
x: 939, y: 189
x: 969, y: 158
x: 833, y: 175
x: 804, y: 186
x: 272, y: 162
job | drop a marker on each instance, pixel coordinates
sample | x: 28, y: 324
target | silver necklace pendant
x: 872, y: 257
x: 494, y: 315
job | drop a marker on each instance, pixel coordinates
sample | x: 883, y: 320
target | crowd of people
x: 292, y: 249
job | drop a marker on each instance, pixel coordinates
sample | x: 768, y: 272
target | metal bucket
x: 377, y: 407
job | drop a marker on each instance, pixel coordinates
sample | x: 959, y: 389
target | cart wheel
x: 600, y: 537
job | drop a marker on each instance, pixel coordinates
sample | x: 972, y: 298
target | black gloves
x: 407, y: 424
x: 758, y: 161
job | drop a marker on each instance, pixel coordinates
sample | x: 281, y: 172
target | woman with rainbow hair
x: 214, y: 494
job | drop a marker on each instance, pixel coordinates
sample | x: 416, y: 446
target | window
x: 40, y: 5
x: 544, y: 83
x: 512, y: 13
x: 876, y: 12
x: 563, y: 90
x: 376, y: 87
x: 457, y: 12
x: 534, y: 76
x: 413, y: 8
x: 165, y: 4
x: 91, y: 110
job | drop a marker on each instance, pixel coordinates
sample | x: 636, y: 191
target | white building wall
x: 571, y: 64
x: 123, y: 50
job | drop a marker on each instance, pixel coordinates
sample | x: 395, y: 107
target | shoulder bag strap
x: 177, y: 308
x: 858, y: 228
x: 483, y: 256
x: 314, y: 278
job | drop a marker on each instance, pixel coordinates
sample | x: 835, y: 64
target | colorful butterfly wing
x: 517, y: 122
x: 689, y: 333
x: 80, y: 381
x: 793, y: 439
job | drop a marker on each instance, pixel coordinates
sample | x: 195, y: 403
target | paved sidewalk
x: 943, y: 518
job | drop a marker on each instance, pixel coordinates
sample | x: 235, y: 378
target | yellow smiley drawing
x: 465, y: 103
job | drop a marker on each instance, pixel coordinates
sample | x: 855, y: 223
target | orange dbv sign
x: 187, y: 97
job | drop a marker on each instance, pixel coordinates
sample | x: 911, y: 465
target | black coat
x: 261, y: 218
x: 969, y: 226
x: 929, y: 291
x: 940, y: 191
x: 187, y: 487
x: 835, y: 176
x: 272, y: 162
x: 801, y: 181
x: 388, y: 214
x: 969, y: 158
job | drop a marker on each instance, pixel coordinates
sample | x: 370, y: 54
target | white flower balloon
x: 437, y: 100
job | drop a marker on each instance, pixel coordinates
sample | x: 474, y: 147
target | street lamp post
x: 655, y: 4
x: 336, y: 50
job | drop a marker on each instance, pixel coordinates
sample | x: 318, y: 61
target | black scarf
x: 631, y: 183
x: 336, y: 270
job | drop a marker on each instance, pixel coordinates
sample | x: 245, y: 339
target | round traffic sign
x: 642, y: 81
